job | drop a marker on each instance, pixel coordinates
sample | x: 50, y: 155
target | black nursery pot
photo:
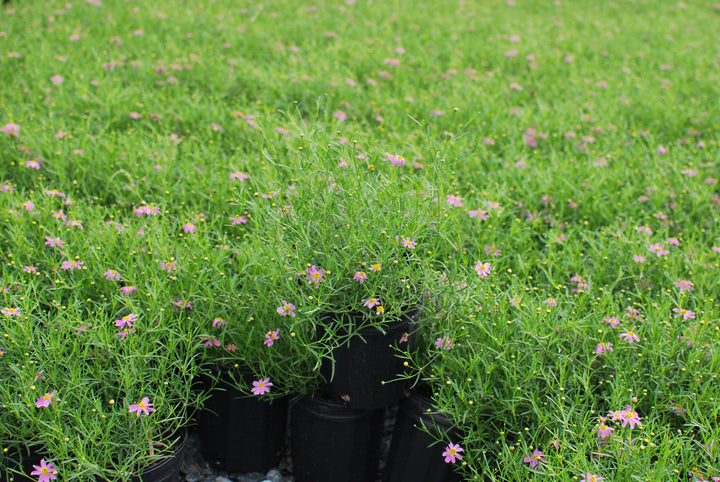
x: 331, y: 442
x: 414, y: 454
x: 167, y: 469
x: 367, y: 365
x: 241, y: 434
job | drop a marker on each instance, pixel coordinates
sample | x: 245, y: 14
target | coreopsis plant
x: 105, y: 395
x: 254, y: 338
x: 350, y: 240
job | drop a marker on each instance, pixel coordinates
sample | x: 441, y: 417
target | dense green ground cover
x: 571, y: 147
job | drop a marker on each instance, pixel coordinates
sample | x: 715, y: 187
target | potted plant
x: 350, y: 243
x: 257, y: 351
x: 106, y: 395
x: 426, y: 443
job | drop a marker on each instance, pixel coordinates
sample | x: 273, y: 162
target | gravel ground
x: 196, y: 469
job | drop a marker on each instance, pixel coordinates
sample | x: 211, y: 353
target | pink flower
x: 238, y: 220
x: 644, y: 229
x: 71, y: 265
x: 612, y: 321
x: 478, y: 213
x: 444, y: 343
x: 122, y: 334
x: 371, y: 303
x: 126, y: 321
x: 483, y: 269
x: 218, y: 322
x: 271, y: 336
x: 454, y: 200
x: 408, y: 243
x: 261, y: 387
x: 661, y: 150
x: 659, y: 249
x: 340, y: 115
x: 534, y: 459
x: 189, y: 228
x: 550, y: 302
x: 57, y: 79
x: 360, y: 276
x: 10, y: 311
x: 677, y: 408
x: 639, y: 259
x: 630, y: 417
x: 181, y: 304
x: 404, y: 338
x: 395, y: 159
x: 128, y: 290
x: 630, y: 336
x: 45, y: 471
x: 314, y: 275
x: 168, y: 266
x: 75, y: 224
x: 604, y: 431
x: 452, y: 453
x: 240, y: 176
x: 143, y: 406
x: 135, y: 115
x: 588, y: 477
x: 149, y: 210
x: 10, y: 129
x: 45, y: 400
x: 686, y: 314
x: 684, y: 285
x: 30, y: 269
x: 286, y: 309
x: 602, y: 347
x: 491, y: 250
x: 28, y: 206
x: 53, y: 242
x: 112, y: 275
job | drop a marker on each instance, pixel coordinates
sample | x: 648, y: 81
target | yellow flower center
x: 45, y: 471
x: 47, y: 397
x: 452, y: 451
x: 141, y: 404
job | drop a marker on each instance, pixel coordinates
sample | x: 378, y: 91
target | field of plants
x: 186, y: 184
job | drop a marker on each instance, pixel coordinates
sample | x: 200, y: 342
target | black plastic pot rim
x: 331, y: 410
x: 369, y: 328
